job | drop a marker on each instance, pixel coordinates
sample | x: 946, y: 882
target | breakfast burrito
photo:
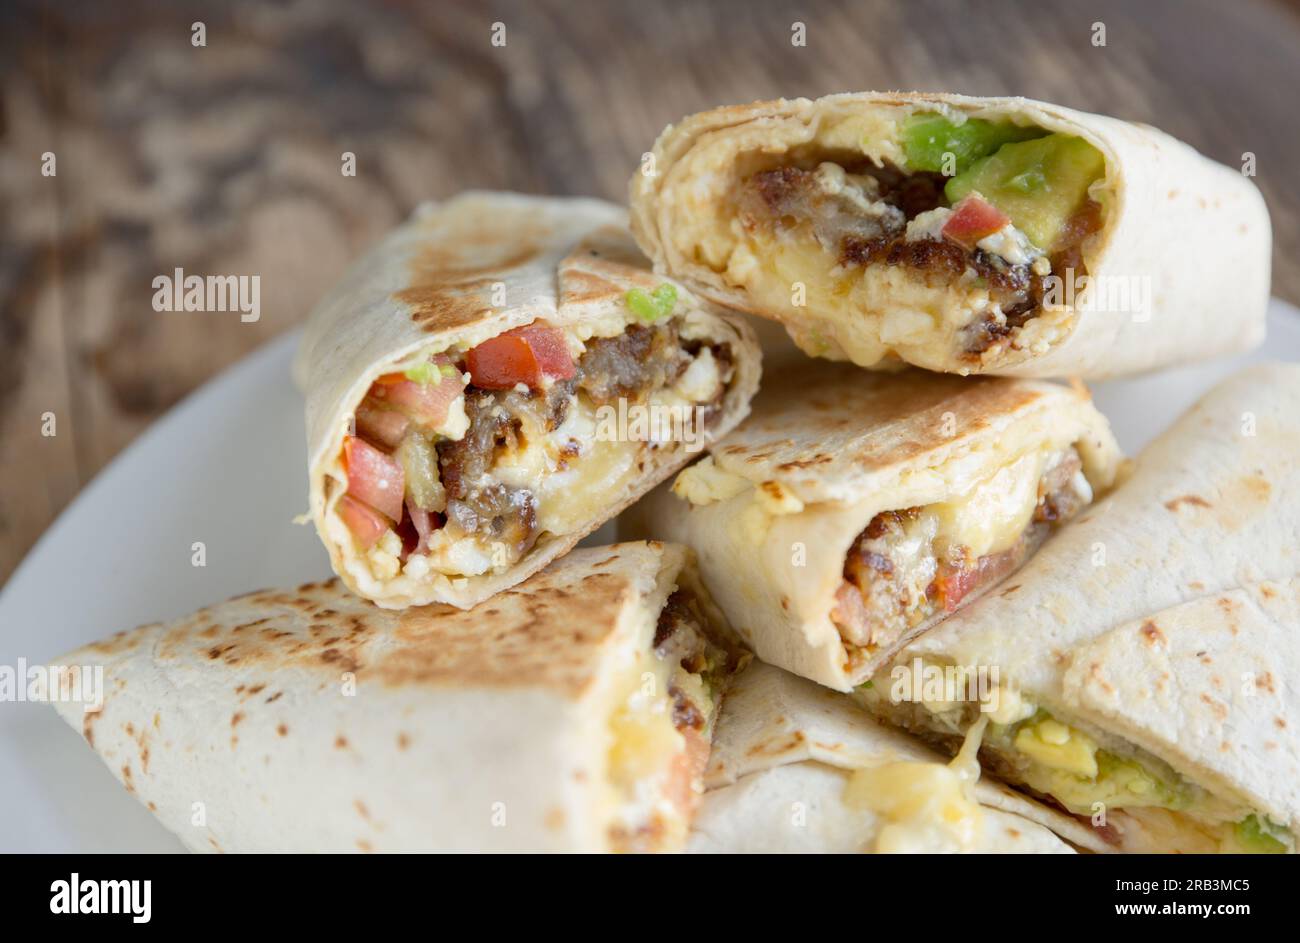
x: 1141, y: 671
x: 570, y: 713
x: 495, y: 380
x: 799, y: 768
x: 964, y: 235
x: 866, y: 506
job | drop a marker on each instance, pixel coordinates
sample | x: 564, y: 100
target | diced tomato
x: 367, y: 524
x: 374, y: 477
x: 972, y: 219
x: 687, y: 769
x: 385, y: 426
x: 849, y: 610
x: 425, y: 404
x: 525, y: 355
x: 424, y: 522
x: 954, y: 584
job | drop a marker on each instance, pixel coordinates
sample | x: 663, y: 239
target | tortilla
x: 1159, y: 634
x: 1178, y: 259
x: 782, y: 507
x: 779, y: 779
x: 559, y: 465
x: 309, y: 720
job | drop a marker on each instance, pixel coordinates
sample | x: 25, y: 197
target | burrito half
x: 854, y: 510
x: 1143, y: 670
x: 571, y: 713
x: 964, y: 235
x: 495, y: 380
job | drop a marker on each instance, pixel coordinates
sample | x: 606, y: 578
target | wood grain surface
x: 226, y: 159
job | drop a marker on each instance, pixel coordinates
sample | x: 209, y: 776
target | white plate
x: 227, y: 467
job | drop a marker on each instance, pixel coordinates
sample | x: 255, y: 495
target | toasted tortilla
x: 783, y: 755
x: 1173, y: 217
x: 828, y: 447
x: 1167, y: 616
x: 310, y: 720
x: 439, y: 280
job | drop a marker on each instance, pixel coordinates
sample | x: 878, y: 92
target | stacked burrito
x: 907, y: 597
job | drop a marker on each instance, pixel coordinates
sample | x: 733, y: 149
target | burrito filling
x: 1131, y: 798
x: 955, y: 240
x: 461, y: 461
x: 662, y: 727
x: 910, y: 565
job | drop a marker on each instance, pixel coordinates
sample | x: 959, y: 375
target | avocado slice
x: 927, y: 136
x: 1038, y: 183
x: 1258, y: 838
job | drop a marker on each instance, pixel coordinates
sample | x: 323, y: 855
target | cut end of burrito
x: 1129, y: 798
x: 1138, y: 675
x: 962, y: 235
x: 799, y: 768
x: 573, y: 712
x: 879, y: 504
x: 508, y: 406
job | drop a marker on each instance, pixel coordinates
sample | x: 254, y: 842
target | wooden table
x: 226, y: 158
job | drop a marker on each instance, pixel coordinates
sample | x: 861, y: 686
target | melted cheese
x: 991, y: 516
x: 643, y: 740
x: 645, y: 750
x: 1059, y: 747
x: 1005, y: 706
x: 929, y: 807
x: 705, y: 483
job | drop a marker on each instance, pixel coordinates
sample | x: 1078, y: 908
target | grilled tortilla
x: 492, y: 382
x: 798, y: 768
x: 964, y: 235
x: 1143, y: 665
x: 570, y: 713
x: 866, y: 507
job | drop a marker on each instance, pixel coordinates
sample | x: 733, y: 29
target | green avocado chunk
x: 927, y: 137
x: 1039, y: 183
x: 653, y: 305
x: 1257, y: 838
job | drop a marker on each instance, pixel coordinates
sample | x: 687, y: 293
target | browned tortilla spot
x: 1192, y: 499
x: 776, y: 747
x: 800, y: 464
x: 1095, y: 672
x: 1218, y: 708
x: 584, y: 287
x: 87, y: 730
x: 1152, y: 633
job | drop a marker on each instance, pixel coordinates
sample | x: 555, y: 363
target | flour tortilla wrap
x: 794, y: 491
x: 784, y: 756
x: 1198, y: 232
x: 309, y: 720
x: 1163, y: 629
x: 459, y: 274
